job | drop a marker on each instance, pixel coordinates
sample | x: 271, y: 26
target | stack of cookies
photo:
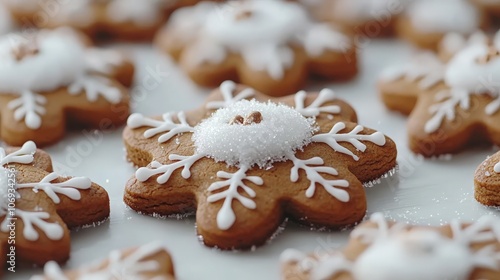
x: 269, y: 144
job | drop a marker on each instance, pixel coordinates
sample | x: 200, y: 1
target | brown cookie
x: 400, y: 85
x: 150, y: 261
x: 54, y: 80
x: 462, y: 110
x: 381, y: 250
x: 365, y: 17
x: 38, y: 206
x: 487, y: 181
x: 491, y: 7
x: 109, y: 19
x: 272, y: 46
x: 425, y: 22
x: 245, y: 161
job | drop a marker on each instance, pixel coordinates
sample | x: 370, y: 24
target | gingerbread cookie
x: 244, y: 163
x: 53, y: 80
x: 118, y: 19
x: 37, y: 206
x: 425, y: 22
x: 272, y: 46
x: 366, y: 17
x: 150, y: 261
x: 463, y: 109
x: 381, y: 250
x: 487, y: 181
x: 399, y: 86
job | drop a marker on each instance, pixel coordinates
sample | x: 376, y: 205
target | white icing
x: 430, y: 16
x: 69, y: 188
x: 226, y: 216
x: 262, y: 32
x: 133, y: 266
x: 166, y: 126
x: 454, y: 42
x: 364, y: 10
x: 4, y: 190
x: 60, y: 60
x: 142, y: 13
x: 394, y: 252
x: 465, y: 75
x: 36, y: 219
x: 425, y: 67
x: 6, y: 21
x: 283, y: 130
x: 353, y: 137
x: 496, y: 168
x: 316, y: 108
x: 279, y: 133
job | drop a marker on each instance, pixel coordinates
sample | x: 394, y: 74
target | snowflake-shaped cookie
x: 487, y: 181
x: 381, y: 250
x: 245, y: 161
x: 54, y: 80
x: 270, y: 45
x: 122, y: 19
x: 37, y: 206
x: 150, y: 261
x: 462, y: 109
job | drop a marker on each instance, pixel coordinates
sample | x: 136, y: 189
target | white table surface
x: 430, y: 191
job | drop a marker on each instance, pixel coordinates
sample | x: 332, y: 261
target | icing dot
x: 415, y: 255
x: 497, y: 168
x: 281, y: 130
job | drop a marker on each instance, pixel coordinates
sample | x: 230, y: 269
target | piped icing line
x: 425, y: 68
x: 23, y: 72
x: 261, y: 32
x: 132, y: 266
x: 278, y: 133
x: 36, y: 219
x: 471, y: 72
x: 394, y: 251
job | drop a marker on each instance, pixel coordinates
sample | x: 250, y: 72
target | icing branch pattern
x: 315, y: 108
x: 166, y: 170
x: 353, y: 137
x: 447, y: 101
x: 313, y: 167
x: 234, y: 182
x: 167, y: 126
x: 30, y: 107
x: 37, y: 219
x: 69, y: 188
x: 227, y: 89
x: 95, y: 86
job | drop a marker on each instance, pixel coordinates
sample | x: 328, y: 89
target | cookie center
x: 25, y: 49
x: 252, y: 118
x: 249, y: 133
